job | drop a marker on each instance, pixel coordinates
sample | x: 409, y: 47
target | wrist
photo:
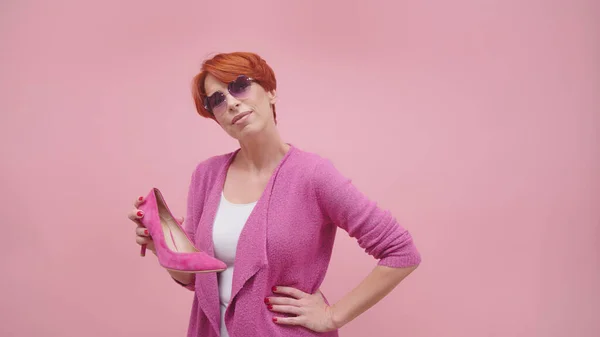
x: 337, y: 318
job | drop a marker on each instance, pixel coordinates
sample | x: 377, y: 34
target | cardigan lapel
x: 251, y: 253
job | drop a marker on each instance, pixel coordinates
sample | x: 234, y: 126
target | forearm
x: 380, y: 282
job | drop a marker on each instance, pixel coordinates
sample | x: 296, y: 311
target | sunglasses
x: 238, y: 88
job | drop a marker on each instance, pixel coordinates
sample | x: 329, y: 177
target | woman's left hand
x: 310, y: 309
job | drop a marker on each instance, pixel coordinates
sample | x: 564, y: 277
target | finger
x: 138, y: 201
x: 135, y: 214
x: 181, y: 220
x: 298, y: 320
x: 288, y: 309
x: 142, y: 231
x: 142, y: 240
x: 282, y: 301
x: 293, y: 292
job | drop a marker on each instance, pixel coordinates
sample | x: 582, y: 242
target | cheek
x: 263, y: 104
x: 259, y: 100
x: 220, y: 120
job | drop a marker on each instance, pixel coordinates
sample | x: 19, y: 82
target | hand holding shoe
x: 142, y: 236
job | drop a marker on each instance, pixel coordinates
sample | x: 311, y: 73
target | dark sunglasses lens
x: 214, y: 101
x: 239, y: 86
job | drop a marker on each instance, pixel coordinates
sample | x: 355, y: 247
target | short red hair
x: 226, y: 67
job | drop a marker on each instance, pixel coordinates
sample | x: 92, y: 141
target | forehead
x: 212, y: 84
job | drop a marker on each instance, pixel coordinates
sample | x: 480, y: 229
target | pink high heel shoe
x: 174, y: 248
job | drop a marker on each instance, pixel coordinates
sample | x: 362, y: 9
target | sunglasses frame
x: 206, y: 98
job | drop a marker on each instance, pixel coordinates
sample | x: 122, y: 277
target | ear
x: 272, y: 96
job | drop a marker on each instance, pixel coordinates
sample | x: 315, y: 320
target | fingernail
x: 140, y: 213
x: 141, y: 198
x: 270, y: 307
x: 274, y: 319
x: 266, y: 300
x: 274, y: 289
x: 146, y: 231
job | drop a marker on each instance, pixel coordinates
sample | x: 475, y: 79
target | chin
x: 249, y: 131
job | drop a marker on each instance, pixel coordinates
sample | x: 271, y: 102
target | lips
x: 240, y: 116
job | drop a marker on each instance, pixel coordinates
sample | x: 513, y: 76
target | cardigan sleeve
x: 190, y: 223
x: 375, y: 229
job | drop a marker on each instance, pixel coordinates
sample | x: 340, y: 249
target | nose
x: 232, y: 102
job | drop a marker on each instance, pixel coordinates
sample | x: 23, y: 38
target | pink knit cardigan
x: 287, y: 240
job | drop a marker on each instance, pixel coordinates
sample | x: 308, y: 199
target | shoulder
x: 305, y: 160
x: 314, y: 165
x: 214, y: 162
x: 320, y: 176
x: 210, y: 167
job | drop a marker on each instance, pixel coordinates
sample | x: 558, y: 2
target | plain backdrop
x: 475, y: 122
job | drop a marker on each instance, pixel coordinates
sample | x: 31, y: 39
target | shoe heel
x: 143, y: 251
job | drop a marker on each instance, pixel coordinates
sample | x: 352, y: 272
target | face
x: 243, y: 113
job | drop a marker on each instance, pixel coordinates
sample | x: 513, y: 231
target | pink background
x: 475, y: 122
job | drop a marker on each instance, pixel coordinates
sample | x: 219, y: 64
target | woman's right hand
x: 142, y: 237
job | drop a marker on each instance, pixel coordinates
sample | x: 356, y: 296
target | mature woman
x: 271, y: 210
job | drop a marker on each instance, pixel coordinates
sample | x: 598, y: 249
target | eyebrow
x: 207, y: 95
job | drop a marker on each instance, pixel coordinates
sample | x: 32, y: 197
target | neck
x: 263, y: 151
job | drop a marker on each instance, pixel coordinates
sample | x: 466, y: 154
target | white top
x: 228, y: 225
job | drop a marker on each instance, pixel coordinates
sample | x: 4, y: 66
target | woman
x: 271, y: 211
